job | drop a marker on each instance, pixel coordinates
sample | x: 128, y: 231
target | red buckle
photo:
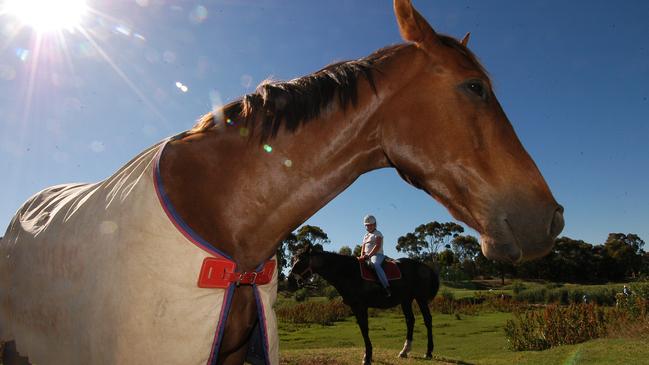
x: 214, y: 273
x: 219, y: 273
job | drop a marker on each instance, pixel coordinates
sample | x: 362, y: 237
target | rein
x: 300, y: 275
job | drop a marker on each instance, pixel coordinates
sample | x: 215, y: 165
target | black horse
x: 418, y: 282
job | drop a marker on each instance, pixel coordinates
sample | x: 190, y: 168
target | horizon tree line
x: 456, y: 256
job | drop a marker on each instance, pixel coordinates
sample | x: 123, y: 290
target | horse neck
x: 237, y: 195
x: 333, y: 268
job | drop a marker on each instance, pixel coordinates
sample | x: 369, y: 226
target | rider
x: 372, y: 249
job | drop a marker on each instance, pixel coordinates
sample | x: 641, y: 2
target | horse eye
x: 477, y: 88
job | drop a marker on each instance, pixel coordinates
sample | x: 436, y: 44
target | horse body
x: 418, y: 282
x: 98, y: 274
x: 425, y: 108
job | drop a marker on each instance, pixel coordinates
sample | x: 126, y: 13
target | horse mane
x: 289, y: 104
x: 336, y: 255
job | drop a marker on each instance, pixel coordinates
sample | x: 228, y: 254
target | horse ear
x: 465, y: 40
x: 413, y: 27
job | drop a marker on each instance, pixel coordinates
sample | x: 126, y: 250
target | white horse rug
x: 106, y: 273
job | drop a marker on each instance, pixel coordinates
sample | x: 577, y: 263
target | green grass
x: 388, y: 331
x: 598, y: 352
x: 468, y: 340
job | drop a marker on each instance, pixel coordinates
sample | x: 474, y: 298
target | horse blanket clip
x: 219, y: 273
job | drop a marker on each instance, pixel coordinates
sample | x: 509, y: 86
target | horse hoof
x: 403, y: 355
x: 429, y: 357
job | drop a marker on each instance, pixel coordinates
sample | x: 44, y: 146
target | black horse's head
x: 301, y: 269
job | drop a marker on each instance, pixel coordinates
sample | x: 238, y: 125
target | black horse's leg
x: 361, y: 319
x: 410, y: 324
x: 11, y: 357
x: 428, y: 321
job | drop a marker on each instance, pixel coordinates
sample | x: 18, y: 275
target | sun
x: 47, y: 15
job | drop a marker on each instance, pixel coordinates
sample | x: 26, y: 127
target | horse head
x: 301, y: 269
x: 446, y: 133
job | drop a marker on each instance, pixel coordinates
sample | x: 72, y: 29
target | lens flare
x: 47, y: 15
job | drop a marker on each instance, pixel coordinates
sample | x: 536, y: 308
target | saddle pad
x: 390, y: 268
x: 104, y: 274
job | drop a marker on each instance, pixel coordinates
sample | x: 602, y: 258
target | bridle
x: 300, y: 276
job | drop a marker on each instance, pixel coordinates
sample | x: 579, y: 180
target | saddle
x: 389, y: 266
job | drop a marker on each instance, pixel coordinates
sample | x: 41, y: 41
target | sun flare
x: 47, y: 15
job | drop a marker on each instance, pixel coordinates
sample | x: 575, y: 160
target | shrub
x: 555, y: 326
x: 517, y: 286
x: 324, y: 313
x: 641, y: 289
x: 633, y: 306
x: 447, y: 294
x: 534, y: 295
x: 500, y: 303
x: 330, y: 292
x: 301, y: 295
x: 553, y: 285
x: 452, y: 306
x: 563, y: 295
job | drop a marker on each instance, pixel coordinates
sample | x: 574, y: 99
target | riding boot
x: 388, y: 293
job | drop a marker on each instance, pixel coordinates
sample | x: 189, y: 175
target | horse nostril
x: 557, y: 222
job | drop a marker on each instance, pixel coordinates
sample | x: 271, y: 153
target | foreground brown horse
x: 244, y: 178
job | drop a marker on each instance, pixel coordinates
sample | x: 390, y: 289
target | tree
x: 307, y: 236
x: 357, y: 250
x: 345, y: 250
x: 645, y: 266
x: 575, y: 261
x: 446, y: 258
x: 283, y: 258
x: 465, y: 247
x: 623, y: 255
x: 427, y: 240
x: 569, y: 261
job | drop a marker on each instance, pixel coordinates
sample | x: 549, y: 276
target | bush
x: 563, y: 295
x: 330, y: 292
x: 641, y: 289
x: 555, y: 326
x: 324, y: 313
x: 447, y: 294
x: 553, y: 285
x: 517, y: 286
x: 633, y: 305
x: 500, y: 303
x: 301, y: 295
x: 446, y: 305
x: 534, y: 295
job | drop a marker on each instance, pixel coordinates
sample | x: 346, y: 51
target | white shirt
x: 369, y: 241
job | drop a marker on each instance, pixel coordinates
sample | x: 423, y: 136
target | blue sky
x: 572, y: 77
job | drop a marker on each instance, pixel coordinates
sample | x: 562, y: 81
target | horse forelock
x: 289, y: 104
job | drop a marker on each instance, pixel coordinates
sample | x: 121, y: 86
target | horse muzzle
x: 521, y: 238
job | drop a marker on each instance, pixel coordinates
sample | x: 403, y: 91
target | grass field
x: 468, y: 340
